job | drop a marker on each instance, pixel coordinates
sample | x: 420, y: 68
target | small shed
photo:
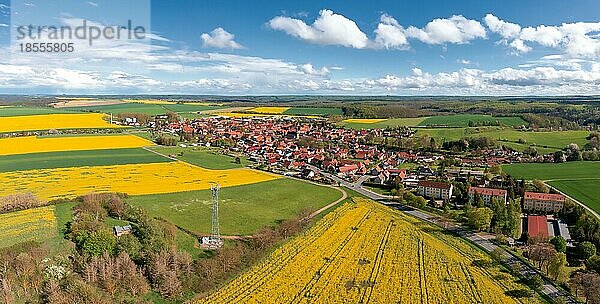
x: 122, y: 230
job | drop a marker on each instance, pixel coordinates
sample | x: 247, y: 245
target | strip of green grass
x: 202, y: 156
x: 243, y: 210
x: 49, y: 160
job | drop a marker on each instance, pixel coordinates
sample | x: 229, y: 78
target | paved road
x: 357, y: 186
x: 548, y: 289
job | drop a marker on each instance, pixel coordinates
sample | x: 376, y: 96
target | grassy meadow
x: 243, y: 209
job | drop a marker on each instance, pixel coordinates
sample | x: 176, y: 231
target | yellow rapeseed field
x: 54, y: 121
x: 364, y: 252
x: 133, y: 179
x: 364, y: 120
x: 269, y: 110
x: 32, y: 144
x: 26, y: 225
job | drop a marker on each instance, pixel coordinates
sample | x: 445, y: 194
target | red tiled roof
x: 537, y: 226
x: 487, y: 191
x: 431, y: 184
x: 348, y: 168
x: 544, y: 196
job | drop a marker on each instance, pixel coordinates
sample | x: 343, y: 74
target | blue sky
x: 307, y: 47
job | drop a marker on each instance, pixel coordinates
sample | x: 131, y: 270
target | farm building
x: 487, y: 194
x: 543, y: 202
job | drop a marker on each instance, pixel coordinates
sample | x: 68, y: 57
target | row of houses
x: 532, y: 201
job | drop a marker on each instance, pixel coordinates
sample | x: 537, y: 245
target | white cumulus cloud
x: 579, y: 39
x: 328, y: 29
x: 456, y: 29
x: 390, y: 34
x: 220, y: 38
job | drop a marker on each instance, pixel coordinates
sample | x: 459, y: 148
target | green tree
x: 513, y: 212
x: 536, y: 282
x: 593, y: 263
x: 480, y: 218
x: 560, y: 244
x: 99, y: 242
x: 558, y: 266
x: 587, y: 249
x: 541, y: 186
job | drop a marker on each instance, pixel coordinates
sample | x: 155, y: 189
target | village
x: 316, y: 150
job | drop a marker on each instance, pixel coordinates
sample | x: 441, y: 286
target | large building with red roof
x: 435, y: 190
x: 487, y: 194
x: 543, y: 202
x: 537, y: 226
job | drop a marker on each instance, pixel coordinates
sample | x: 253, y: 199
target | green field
x: 579, y: 180
x: 243, y: 210
x: 545, y: 142
x: 150, y: 109
x: 314, y: 111
x: 202, y: 156
x: 462, y: 120
x: 67, y: 159
x: 549, y: 171
x: 393, y: 122
x: 144, y: 108
x: 25, y: 111
x: 586, y: 191
x: 187, y: 108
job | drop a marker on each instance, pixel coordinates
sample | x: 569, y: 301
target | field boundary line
x: 158, y: 153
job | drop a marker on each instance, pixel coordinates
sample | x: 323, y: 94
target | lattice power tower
x: 214, y: 240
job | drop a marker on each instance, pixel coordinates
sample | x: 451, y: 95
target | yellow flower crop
x: 364, y: 252
x: 364, y: 120
x: 26, y: 225
x: 32, y: 144
x: 269, y: 110
x: 54, y: 121
x: 134, y: 179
